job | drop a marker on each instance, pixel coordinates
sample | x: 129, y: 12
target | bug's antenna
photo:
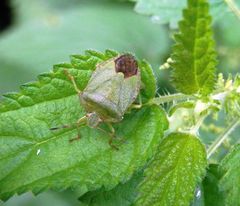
x: 73, y: 81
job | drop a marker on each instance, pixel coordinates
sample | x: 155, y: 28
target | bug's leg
x: 73, y: 81
x: 68, y: 126
x: 111, y: 128
x: 78, y: 123
x: 61, y: 127
x: 140, y: 100
x: 81, y: 122
x: 111, y: 134
x: 139, y: 105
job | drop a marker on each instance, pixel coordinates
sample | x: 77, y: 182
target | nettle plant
x: 132, y: 147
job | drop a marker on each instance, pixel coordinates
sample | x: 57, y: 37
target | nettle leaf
x: 72, y: 35
x: 122, y: 195
x: 34, y: 158
x: 194, y: 59
x: 186, y: 105
x: 211, y: 191
x: 230, y: 182
x: 173, y: 174
x: 148, y: 79
x: 170, y: 11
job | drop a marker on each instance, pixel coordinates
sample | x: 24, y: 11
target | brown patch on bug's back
x: 126, y: 64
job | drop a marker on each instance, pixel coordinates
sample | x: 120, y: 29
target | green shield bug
x: 111, y: 90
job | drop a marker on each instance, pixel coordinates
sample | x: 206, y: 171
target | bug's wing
x: 129, y: 91
x: 103, y: 98
x: 106, y: 109
x: 101, y: 75
x: 120, y: 92
x: 109, y: 92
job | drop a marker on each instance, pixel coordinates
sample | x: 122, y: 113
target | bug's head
x: 126, y: 64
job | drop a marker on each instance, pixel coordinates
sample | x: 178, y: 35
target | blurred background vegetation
x: 36, y: 34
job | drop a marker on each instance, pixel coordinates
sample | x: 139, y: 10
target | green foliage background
x: 48, y: 31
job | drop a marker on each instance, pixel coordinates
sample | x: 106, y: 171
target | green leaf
x: 122, y: 195
x: 148, y: 79
x: 32, y: 157
x: 186, y: 105
x: 211, y: 191
x: 70, y: 27
x: 170, y: 11
x: 49, y: 198
x: 194, y: 59
x: 173, y: 174
x: 230, y: 182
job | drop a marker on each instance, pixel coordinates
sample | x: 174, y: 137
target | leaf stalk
x: 216, y: 144
x: 171, y: 98
x: 232, y: 5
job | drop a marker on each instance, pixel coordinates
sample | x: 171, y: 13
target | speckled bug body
x: 111, y: 90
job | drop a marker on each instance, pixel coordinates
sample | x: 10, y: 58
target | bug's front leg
x: 111, y: 128
x: 139, y: 105
x: 81, y: 122
x: 111, y: 134
x: 70, y: 77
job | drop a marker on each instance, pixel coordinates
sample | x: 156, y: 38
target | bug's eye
x: 127, y: 65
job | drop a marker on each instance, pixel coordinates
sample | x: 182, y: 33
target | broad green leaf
x: 230, y: 182
x: 185, y: 104
x: 72, y: 29
x: 49, y: 198
x: 34, y: 158
x: 194, y: 59
x: 170, y: 11
x: 122, y: 195
x: 149, y: 81
x: 173, y: 174
x: 211, y: 191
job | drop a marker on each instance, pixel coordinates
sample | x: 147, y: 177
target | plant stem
x: 170, y: 98
x: 232, y: 5
x: 214, y: 146
x: 194, y: 130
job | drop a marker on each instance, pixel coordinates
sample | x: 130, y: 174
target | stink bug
x: 111, y: 90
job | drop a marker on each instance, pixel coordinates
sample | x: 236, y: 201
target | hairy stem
x: 194, y: 130
x: 214, y: 146
x: 170, y: 98
x: 232, y: 5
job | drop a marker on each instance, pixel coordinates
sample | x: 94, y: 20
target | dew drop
x: 38, y: 151
x: 198, y: 193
